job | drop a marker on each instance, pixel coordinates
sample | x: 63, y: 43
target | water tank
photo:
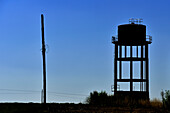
x: 132, y: 33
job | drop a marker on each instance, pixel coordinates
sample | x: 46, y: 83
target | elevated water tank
x: 132, y: 33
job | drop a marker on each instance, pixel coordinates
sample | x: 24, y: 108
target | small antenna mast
x: 135, y: 21
x: 43, y: 55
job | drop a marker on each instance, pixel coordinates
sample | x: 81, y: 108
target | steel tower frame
x: 144, y: 66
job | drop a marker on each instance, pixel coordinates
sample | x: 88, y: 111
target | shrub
x: 96, y: 98
x: 166, y: 99
x: 103, y: 99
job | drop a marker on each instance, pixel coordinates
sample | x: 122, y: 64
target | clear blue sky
x: 80, y: 54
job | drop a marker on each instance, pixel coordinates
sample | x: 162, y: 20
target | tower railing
x: 148, y: 39
x: 114, y: 39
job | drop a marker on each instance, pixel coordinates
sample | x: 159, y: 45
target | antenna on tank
x: 131, y: 20
x: 140, y: 21
x: 135, y: 21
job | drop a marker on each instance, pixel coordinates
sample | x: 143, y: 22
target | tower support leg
x: 115, y: 68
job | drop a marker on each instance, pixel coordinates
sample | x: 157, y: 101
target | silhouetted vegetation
x: 96, y: 98
x: 166, y: 99
x: 70, y: 108
x: 96, y: 102
x: 103, y: 99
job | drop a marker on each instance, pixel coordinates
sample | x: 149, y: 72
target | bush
x: 103, y: 99
x: 97, y: 98
x: 166, y: 99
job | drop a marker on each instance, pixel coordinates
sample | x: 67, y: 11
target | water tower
x: 131, y: 61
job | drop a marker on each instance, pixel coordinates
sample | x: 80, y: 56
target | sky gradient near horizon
x: 80, y: 52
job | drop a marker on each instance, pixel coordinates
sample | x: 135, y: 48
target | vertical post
x: 137, y: 51
x: 141, y: 85
x: 43, y: 54
x: 147, y: 68
x: 125, y: 51
x: 115, y: 68
x: 131, y: 70
x: 120, y: 63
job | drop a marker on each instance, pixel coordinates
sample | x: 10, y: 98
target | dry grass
x: 144, y: 103
x: 156, y: 103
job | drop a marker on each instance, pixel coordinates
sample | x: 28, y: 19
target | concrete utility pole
x: 43, y: 54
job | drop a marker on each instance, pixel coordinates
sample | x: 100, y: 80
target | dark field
x: 71, y: 108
